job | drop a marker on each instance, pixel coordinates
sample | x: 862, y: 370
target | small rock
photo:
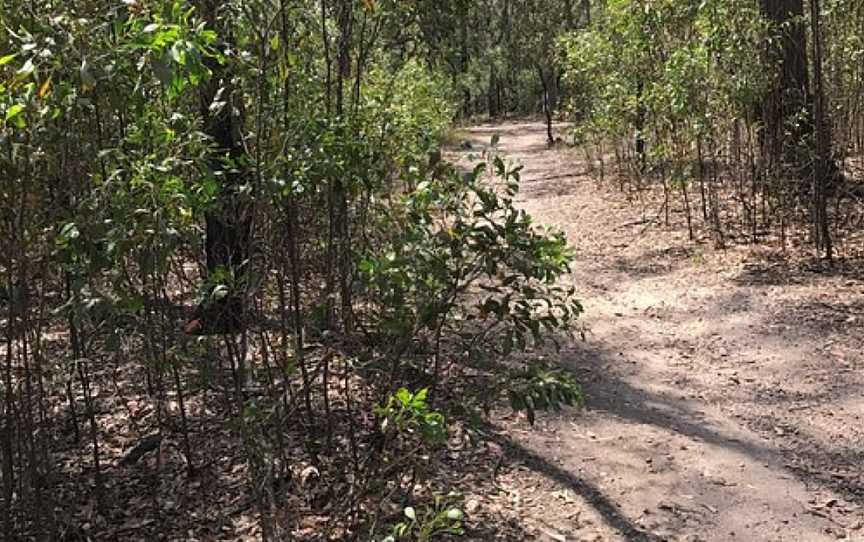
x: 837, y: 533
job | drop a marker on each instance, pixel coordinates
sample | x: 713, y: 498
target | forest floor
x: 723, y: 387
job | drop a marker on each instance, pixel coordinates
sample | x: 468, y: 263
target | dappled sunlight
x: 708, y: 401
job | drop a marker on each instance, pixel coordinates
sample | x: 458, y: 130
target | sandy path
x: 724, y: 389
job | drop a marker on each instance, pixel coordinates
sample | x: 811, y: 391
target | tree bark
x: 228, y: 223
x: 640, y: 127
x: 796, y: 140
x: 491, y: 93
x: 787, y: 107
x: 547, y: 108
x: 825, y: 170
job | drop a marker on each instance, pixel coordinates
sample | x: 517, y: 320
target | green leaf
x: 500, y: 167
x: 14, y: 111
x: 404, y: 396
x: 7, y: 59
x: 410, y: 513
x: 420, y: 397
x: 27, y: 68
x: 178, y: 53
x: 454, y: 514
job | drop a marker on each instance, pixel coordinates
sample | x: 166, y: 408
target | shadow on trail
x: 539, y: 188
x: 650, y: 409
x: 604, y: 505
x: 612, y: 395
x: 772, y: 269
x: 570, y: 176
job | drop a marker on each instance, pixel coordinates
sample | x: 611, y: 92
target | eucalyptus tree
x: 533, y: 44
x: 787, y: 108
x: 797, y: 138
x: 735, y: 89
x: 229, y: 221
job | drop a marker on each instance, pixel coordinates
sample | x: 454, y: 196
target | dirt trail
x: 724, y: 387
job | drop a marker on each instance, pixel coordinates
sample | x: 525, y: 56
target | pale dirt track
x: 724, y: 388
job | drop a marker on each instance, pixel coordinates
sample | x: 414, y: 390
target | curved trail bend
x: 724, y: 390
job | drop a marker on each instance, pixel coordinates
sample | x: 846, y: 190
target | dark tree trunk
x: 464, y: 58
x: 547, y: 108
x: 341, y: 227
x: 228, y: 223
x: 797, y: 141
x: 640, y: 128
x: 825, y: 170
x: 491, y: 102
x: 787, y: 108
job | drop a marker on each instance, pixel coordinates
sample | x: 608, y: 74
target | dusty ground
x: 723, y: 403
x: 723, y: 388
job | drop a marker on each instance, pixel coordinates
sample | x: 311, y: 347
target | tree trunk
x: 787, y: 108
x: 492, y: 106
x: 640, y: 128
x: 547, y: 108
x: 228, y: 223
x: 825, y: 170
x: 796, y: 141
